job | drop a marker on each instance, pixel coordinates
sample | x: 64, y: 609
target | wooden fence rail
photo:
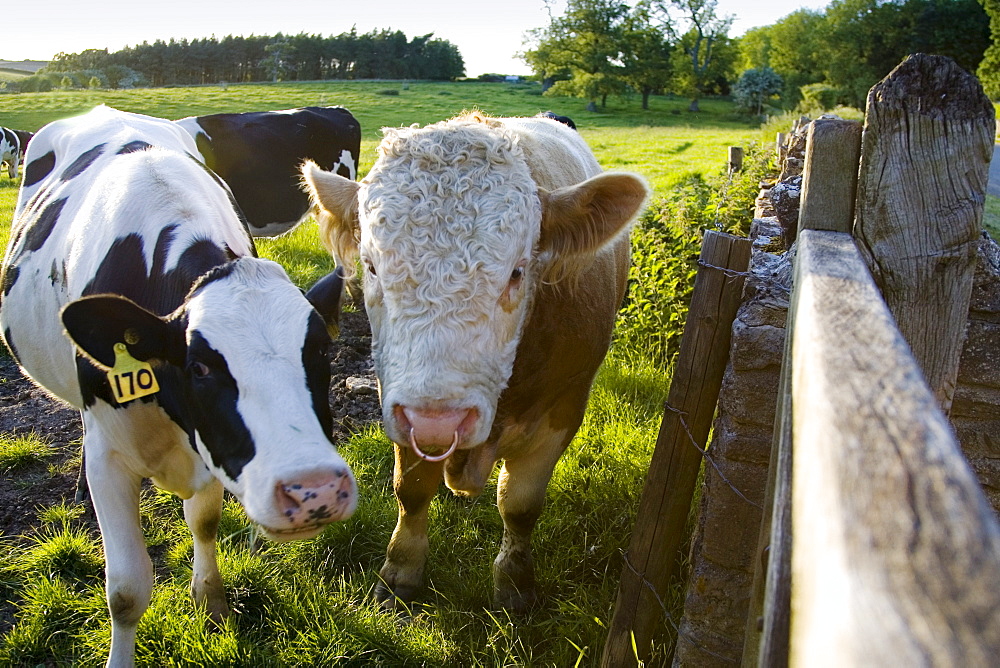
x: 883, y: 549
x: 895, y: 553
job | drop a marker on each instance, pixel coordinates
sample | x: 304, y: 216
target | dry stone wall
x: 711, y: 632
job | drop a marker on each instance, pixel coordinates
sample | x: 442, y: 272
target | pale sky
x: 488, y: 34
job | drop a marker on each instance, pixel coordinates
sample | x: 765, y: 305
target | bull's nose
x: 433, y: 429
x: 316, y: 498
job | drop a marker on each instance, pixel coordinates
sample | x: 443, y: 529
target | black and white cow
x: 259, y: 154
x: 12, y: 146
x: 131, y: 290
x: 565, y: 120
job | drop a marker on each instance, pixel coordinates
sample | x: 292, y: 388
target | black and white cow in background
x: 131, y: 290
x: 259, y: 155
x: 565, y: 120
x: 12, y: 146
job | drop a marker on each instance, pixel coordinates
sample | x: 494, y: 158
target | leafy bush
x: 755, y: 87
x: 819, y: 96
x: 666, y: 244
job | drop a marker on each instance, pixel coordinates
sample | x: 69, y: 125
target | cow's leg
x: 520, y: 498
x: 202, y: 513
x: 415, y: 483
x: 115, y: 494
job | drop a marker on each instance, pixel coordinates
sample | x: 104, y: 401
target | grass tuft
x: 18, y: 452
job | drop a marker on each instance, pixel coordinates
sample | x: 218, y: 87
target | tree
x: 587, y: 42
x: 702, y: 45
x: 646, y: 54
x: 792, y: 47
x: 754, y: 87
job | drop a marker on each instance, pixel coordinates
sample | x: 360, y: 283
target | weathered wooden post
x: 735, y: 159
x: 829, y: 185
x: 928, y: 141
x: 673, y: 470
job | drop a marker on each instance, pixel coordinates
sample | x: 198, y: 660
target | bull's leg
x: 129, y: 571
x: 414, y: 482
x: 202, y: 513
x: 520, y: 498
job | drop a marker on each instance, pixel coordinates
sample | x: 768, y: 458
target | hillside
x: 28, y: 66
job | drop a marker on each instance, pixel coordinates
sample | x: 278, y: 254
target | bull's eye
x: 199, y: 369
x: 515, y: 276
x: 371, y: 269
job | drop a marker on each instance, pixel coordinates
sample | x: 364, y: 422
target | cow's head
x: 243, y: 367
x: 455, y: 238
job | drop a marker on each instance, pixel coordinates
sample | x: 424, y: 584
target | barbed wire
x: 708, y: 457
x: 668, y: 617
x: 731, y: 273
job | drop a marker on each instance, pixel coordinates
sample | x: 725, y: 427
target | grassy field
x: 309, y: 603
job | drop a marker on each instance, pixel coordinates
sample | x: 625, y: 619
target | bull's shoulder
x: 557, y: 155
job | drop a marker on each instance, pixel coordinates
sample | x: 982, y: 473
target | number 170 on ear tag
x: 130, y: 378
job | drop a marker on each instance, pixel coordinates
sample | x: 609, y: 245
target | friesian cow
x: 258, y: 154
x: 565, y: 120
x: 12, y: 146
x: 132, y: 290
x: 496, y: 256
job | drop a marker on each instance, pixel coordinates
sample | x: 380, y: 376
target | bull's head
x: 456, y: 237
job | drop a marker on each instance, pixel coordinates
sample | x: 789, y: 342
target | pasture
x: 310, y: 603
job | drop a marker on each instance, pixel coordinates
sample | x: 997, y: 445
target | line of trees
x: 382, y: 54
x: 598, y: 48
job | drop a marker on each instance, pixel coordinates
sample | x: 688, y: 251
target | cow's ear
x: 96, y: 323
x: 337, y: 200
x: 583, y: 217
x: 325, y: 295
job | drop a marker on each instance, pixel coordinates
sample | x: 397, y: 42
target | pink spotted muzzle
x: 310, y: 503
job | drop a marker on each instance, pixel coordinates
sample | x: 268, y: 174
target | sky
x: 487, y: 34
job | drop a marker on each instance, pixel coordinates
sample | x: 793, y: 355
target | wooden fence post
x: 928, y: 141
x: 673, y: 470
x: 829, y: 183
x: 735, y: 159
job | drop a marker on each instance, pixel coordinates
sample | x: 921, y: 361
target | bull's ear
x: 96, y: 323
x: 583, y: 217
x: 337, y: 200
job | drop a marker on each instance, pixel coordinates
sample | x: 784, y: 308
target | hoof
x: 395, y: 600
x: 515, y: 601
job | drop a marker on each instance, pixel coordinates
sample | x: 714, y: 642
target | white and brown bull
x: 496, y: 254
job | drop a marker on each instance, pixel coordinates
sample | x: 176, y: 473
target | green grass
x: 310, y: 603
x: 991, y: 216
x: 19, y: 451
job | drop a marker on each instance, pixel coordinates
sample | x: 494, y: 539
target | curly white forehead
x: 452, y: 199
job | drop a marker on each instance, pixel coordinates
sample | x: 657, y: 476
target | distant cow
x: 495, y: 255
x: 259, y: 155
x: 565, y: 120
x: 131, y: 290
x: 12, y: 146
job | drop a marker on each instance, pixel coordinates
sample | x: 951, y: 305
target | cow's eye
x: 199, y: 369
x: 516, y: 275
x: 371, y: 268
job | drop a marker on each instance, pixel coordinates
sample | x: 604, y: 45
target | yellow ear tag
x: 130, y: 378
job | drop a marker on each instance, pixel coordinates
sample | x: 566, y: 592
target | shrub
x: 666, y: 244
x: 819, y: 96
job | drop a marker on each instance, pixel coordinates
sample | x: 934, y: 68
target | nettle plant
x: 666, y: 243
